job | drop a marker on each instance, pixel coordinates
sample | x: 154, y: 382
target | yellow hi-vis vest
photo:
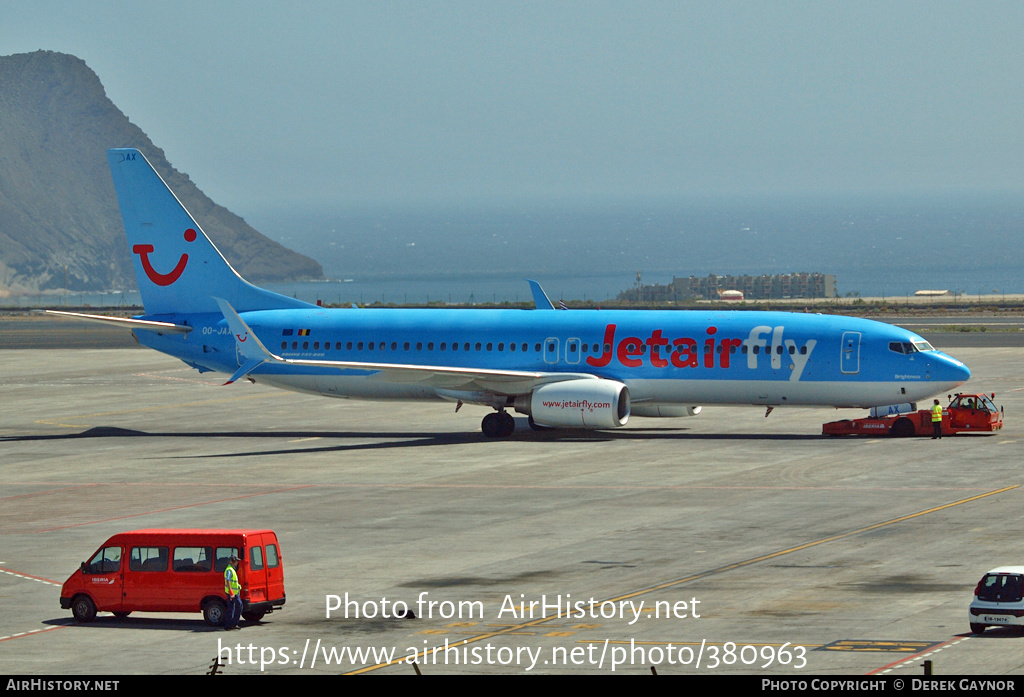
x: 936, y: 412
x: 231, y: 585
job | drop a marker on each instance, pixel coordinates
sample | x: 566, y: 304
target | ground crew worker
x: 936, y: 420
x: 232, y: 589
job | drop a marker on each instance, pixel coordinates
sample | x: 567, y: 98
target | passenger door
x: 192, y: 578
x: 146, y: 580
x: 849, y: 358
x: 103, y: 579
x: 275, y: 568
x: 255, y: 569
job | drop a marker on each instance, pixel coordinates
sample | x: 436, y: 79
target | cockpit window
x: 902, y: 347
x: 908, y: 347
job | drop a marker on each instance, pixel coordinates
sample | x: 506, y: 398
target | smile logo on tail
x: 163, y: 279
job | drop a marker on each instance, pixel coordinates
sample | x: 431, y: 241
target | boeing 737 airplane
x: 575, y: 369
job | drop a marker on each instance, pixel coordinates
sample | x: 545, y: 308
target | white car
x: 998, y: 599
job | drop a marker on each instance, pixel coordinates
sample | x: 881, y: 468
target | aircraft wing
x: 126, y: 323
x: 501, y: 382
x: 451, y: 378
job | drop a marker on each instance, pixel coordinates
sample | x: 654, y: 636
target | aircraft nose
x: 949, y: 370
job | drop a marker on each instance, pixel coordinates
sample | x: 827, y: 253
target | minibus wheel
x: 214, y: 611
x: 83, y: 608
x: 253, y: 615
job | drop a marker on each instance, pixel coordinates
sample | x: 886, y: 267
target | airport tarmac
x: 773, y: 550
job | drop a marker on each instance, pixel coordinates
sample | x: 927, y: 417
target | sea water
x: 876, y: 246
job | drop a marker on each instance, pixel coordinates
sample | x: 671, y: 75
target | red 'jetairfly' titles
x: 685, y: 354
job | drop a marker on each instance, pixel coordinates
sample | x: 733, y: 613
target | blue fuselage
x: 664, y: 357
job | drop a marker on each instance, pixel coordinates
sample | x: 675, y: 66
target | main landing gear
x: 500, y: 424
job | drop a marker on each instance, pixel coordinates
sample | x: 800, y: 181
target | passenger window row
x: 501, y: 346
x: 408, y: 346
x: 184, y: 559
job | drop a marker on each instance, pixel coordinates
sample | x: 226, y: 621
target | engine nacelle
x: 590, y: 404
x: 663, y: 410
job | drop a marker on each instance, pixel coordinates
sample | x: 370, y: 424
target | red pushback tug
x: 966, y: 413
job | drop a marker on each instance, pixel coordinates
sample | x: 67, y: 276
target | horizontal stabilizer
x: 126, y: 323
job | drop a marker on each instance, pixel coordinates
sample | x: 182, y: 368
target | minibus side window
x: 193, y: 559
x: 106, y: 561
x: 256, y: 558
x: 223, y: 557
x: 148, y: 559
x: 272, y: 560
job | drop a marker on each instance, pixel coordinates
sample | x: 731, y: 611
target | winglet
x: 540, y: 298
x: 244, y: 370
x: 248, y: 344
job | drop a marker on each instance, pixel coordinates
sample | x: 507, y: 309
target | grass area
x: 967, y: 328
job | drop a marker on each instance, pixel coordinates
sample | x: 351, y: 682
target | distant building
x: 713, y: 287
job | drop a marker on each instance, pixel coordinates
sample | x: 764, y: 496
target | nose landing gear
x: 500, y: 424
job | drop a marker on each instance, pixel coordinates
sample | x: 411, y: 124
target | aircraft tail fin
x: 178, y: 268
x: 540, y: 298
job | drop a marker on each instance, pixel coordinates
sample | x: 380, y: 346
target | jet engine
x: 589, y: 404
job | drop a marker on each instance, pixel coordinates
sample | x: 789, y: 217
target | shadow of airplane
x: 406, y: 439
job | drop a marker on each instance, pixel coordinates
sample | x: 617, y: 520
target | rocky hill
x: 59, y: 221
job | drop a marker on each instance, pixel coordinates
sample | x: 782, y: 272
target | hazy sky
x: 332, y: 103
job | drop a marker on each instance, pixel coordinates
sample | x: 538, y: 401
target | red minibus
x: 177, y: 571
